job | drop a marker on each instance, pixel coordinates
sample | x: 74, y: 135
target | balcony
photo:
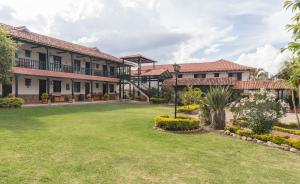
x: 42, y: 65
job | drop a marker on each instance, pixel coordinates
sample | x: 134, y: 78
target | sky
x: 249, y: 32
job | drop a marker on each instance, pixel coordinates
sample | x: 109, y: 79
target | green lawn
x: 117, y: 144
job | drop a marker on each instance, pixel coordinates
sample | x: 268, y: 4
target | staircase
x: 140, y: 89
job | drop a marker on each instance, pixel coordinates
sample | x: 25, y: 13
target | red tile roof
x: 216, y: 66
x: 151, y: 72
x: 262, y: 84
x: 22, y: 34
x: 45, y: 73
x: 242, y: 85
x: 200, y: 82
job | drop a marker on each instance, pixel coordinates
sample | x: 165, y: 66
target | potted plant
x: 69, y: 98
x: 45, y: 98
x: 105, y: 96
x: 89, y: 97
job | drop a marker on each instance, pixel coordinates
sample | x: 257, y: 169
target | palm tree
x: 258, y: 74
x: 216, y: 100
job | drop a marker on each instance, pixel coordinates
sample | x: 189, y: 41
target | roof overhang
x: 138, y: 59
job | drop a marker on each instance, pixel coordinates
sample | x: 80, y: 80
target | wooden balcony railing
x: 42, y: 65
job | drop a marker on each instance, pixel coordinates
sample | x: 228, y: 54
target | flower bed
x: 274, y: 141
x: 181, y: 123
x: 189, y: 109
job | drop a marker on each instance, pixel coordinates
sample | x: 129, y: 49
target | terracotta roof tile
x: 26, y: 35
x: 200, y: 82
x: 216, y: 66
x: 262, y: 84
x: 46, y: 73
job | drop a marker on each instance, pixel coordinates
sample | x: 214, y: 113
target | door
x: 104, y: 68
x: 42, y: 61
x: 42, y: 87
x: 87, y: 68
x: 87, y: 88
x: 104, y: 89
x: 6, y: 90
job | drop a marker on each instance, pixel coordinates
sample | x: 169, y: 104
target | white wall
x: 245, y: 74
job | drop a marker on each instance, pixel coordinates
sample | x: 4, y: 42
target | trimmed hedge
x: 178, y: 124
x: 265, y: 137
x: 156, y: 100
x: 188, y: 108
x: 12, y: 102
x: 295, y: 132
x: 288, y: 125
x: 232, y: 128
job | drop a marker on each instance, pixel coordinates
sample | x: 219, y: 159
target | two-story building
x: 48, y: 65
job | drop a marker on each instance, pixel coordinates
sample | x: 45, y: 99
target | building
x: 59, y: 68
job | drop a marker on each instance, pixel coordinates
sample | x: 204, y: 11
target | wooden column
x: 149, y: 78
x: 158, y: 87
x: 120, y: 90
x: 16, y: 85
x: 92, y: 88
x: 72, y: 62
x: 48, y: 85
x: 72, y: 83
x: 48, y: 57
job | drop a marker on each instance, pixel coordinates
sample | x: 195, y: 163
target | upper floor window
x: 216, y: 74
x: 27, y: 53
x: 196, y: 75
x: 112, y: 70
x: 97, y: 85
x: 239, y: 76
x: 57, y: 60
x: 77, y: 65
x: 179, y: 75
x: 230, y: 74
x: 203, y: 75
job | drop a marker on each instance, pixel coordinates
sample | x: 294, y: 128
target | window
x: 179, y: 75
x: 56, y: 86
x: 27, y: 82
x: 77, y: 87
x: 97, y: 85
x: 112, y: 70
x: 97, y: 66
x: 27, y: 53
x: 57, y: 60
x: 68, y: 87
x: 239, y: 76
x: 77, y: 65
x: 196, y: 75
x: 203, y: 75
x: 230, y: 74
x: 216, y: 75
x: 144, y: 79
x: 111, y: 88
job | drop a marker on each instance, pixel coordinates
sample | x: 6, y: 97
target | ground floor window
x: 56, y: 86
x: 111, y: 88
x: 27, y: 82
x: 77, y: 87
x: 97, y: 85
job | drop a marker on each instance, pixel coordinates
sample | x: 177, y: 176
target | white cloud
x: 212, y: 49
x: 266, y: 57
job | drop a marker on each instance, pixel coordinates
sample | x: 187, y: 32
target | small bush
x: 189, y: 108
x: 295, y: 132
x: 13, y: 102
x: 232, y: 128
x: 156, y: 100
x: 263, y: 137
x: 204, y: 115
x: 181, y: 123
x: 288, y: 125
x: 295, y: 143
x: 247, y: 133
x: 280, y: 140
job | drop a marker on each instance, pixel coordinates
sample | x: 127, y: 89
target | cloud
x: 266, y: 57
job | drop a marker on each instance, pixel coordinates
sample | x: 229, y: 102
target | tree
x: 192, y: 96
x: 7, y: 53
x: 216, y: 100
x: 258, y: 74
x: 293, y: 68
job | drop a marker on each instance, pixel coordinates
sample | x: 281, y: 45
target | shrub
x: 191, y: 96
x: 156, y: 100
x: 247, y: 133
x: 167, y: 93
x: 260, y: 110
x: 295, y: 132
x: 280, y: 140
x: 295, y: 143
x: 232, y: 128
x: 45, y: 96
x: 152, y: 92
x: 181, y: 123
x: 263, y: 137
x: 204, y: 114
x: 288, y: 125
x: 189, y: 108
x: 14, y: 102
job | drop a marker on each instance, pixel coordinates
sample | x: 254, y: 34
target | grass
x: 117, y: 144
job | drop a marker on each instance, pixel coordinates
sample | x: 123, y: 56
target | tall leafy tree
x: 7, y: 54
x: 293, y: 68
x: 259, y: 74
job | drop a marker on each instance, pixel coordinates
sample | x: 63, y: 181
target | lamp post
x: 176, y: 69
